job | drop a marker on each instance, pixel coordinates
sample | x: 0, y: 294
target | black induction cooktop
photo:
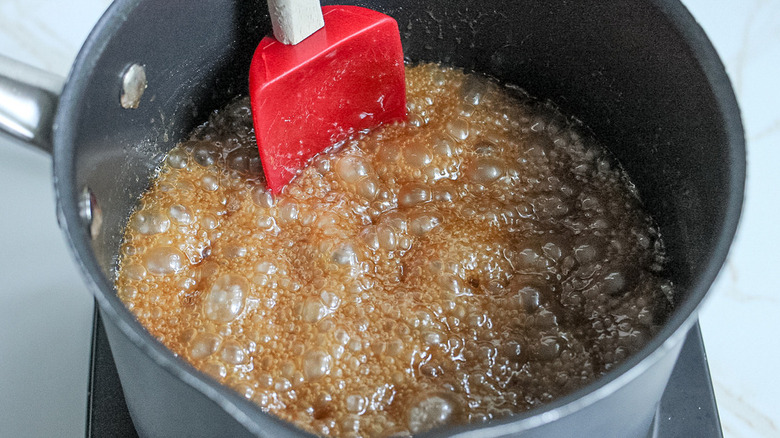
x: 687, y: 409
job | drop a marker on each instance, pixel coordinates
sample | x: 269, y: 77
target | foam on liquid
x: 479, y: 260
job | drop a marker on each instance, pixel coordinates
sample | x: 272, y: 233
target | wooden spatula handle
x: 294, y: 20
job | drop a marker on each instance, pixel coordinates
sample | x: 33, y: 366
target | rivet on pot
x: 133, y: 86
x: 90, y: 212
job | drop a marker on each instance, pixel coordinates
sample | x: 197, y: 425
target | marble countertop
x: 44, y: 347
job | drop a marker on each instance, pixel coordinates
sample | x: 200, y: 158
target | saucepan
x: 641, y: 75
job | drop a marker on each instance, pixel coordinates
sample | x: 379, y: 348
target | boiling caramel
x: 478, y: 260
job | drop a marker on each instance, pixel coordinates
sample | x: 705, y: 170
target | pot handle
x: 28, y: 102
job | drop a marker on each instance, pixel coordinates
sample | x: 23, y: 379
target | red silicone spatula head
x: 345, y: 78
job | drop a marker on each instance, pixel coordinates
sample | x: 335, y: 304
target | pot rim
x: 246, y: 412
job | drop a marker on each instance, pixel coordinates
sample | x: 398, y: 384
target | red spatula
x: 313, y: 86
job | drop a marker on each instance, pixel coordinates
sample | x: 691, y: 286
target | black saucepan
x: 641, y: 74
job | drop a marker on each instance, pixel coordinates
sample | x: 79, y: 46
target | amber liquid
x: 478, y: 260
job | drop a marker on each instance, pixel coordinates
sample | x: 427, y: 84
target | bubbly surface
x: 478, y: 260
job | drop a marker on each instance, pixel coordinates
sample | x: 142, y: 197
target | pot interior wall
x: 622, y: 69
x: 618, y: 66
x: 196, y: 57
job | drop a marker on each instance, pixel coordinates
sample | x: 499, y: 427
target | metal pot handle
x: 28, y: 102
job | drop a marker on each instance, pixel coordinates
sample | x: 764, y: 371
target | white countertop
x: 46, y: 311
